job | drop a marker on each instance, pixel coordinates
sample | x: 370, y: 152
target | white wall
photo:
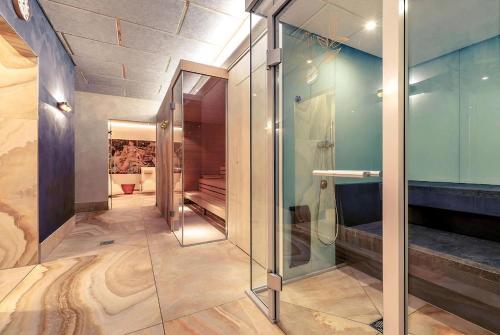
x: 133, y: 130
x: 91, y: 138
x: 238, y: 152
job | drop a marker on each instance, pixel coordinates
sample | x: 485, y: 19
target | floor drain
x: 107, y: 242
x: 378, y: 325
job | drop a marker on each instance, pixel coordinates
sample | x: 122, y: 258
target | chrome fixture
x: 347, y: 173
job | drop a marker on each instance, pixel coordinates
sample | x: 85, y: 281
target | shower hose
x: 323, y: 161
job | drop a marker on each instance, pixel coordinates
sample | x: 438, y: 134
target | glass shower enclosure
x: 374, y: 178
x: 198, y: 116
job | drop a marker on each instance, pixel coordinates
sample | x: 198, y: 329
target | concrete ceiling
x: 132, y: 47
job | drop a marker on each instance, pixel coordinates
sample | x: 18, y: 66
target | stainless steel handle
x: 347, y: 173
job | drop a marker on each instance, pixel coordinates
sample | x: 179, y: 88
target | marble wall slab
x: 18, y: 151
x: 18, y: 193
x: 55, y: 145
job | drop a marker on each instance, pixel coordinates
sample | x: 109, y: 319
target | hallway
x: 122, y: 272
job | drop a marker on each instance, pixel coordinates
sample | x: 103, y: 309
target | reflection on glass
x: 177, y: 161
x: 331, y: 229
x: 261, y: 167
x: 452, y: 161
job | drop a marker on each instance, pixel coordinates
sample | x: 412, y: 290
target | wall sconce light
x: 380, y: 93
x: 164, y: 124
x: 64, y: 106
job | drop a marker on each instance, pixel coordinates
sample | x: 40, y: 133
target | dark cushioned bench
x: 469, y: 209
x: 470, y: 198
x: 454, y: 243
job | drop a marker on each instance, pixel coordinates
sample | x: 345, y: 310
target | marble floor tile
x: 200, y: 231
x: 94, y: 226
x: 9, y: 278
x: 335, y: 292
x: 237, y: 317
x: 363, y: 278
x: 119, y: 215
x: 85, y: 246
x: 110, y: 293
x: 133, y: 200
x: 191, y: 279
x: 430, y: 320
x: 298, y: 320
x: 150, y: 212
x: 155, y: 330
x: 374, y: 291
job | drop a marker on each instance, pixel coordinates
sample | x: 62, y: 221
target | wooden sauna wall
x: 213, y: 127
x: 18, y: 151
x: 238, y: 160
x: 192, y: 141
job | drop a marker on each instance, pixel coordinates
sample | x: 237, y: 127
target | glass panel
x: 110, y: 166
x: 452, y: 162
x: 261, y: 167
x: 204, y: 160
x: 177, y: 160
x: 330, y: 223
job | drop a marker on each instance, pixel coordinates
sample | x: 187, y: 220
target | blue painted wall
x: 56, y: 133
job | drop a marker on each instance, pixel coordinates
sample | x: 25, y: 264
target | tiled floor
x: 144, y: 283
x: 346, y: 301
x: 197, y: 229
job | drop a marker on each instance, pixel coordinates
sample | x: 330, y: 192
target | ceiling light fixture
x: 64, y: 106
x: 309, y: 61
x: 485, y: 78
x: 370, y: 25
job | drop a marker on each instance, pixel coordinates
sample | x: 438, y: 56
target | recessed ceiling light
x: 485, y: 78
x: 309, y: 61
x: 370, y: 25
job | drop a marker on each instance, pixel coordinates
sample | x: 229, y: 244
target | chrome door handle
x: 347, y: 173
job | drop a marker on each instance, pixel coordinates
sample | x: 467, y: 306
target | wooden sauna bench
x: 211, y: 195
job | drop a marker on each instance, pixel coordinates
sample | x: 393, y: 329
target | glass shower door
x: 261, y: 164
x: 177, y: 220
x: 329, y: 157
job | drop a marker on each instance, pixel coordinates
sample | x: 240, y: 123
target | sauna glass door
x: 177, y: 219
x: 204, y: 158
x: 329, y: 157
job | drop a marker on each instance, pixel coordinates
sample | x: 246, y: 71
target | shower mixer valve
x: 323, y: 184
x: 325, y: 144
